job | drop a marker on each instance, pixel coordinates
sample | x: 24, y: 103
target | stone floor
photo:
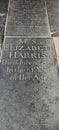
x: 29, y: 79
x: 56, y: 41
x: 3, y: 13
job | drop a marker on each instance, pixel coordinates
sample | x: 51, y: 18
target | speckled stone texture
x: 29, y: 80
x: 1, y: 33
x: 53, y: 13
x: 3, y: 6
x: 27, y: 18
x: 31, y: 104
x: 3, y: 13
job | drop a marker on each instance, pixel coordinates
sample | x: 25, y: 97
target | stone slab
x: 1, y: 34
x: 1, y: 39
x: 27, y: 18
x: 56, y: 42
x: 55, y: 34
x: 53, y: 13
x: 3, y: 13
x: 29, y: 85
x: 2, y: 19
x: 3, y: 6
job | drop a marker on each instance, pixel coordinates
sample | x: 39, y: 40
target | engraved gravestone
x: 29, y: 85
x: 27, y: 18
x: 29, y: 82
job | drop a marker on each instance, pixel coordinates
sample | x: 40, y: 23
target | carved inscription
x: 20, y: 59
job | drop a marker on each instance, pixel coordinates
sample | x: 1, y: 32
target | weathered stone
x: 3, y: 6
x: 29, y: 82
x: 56, y: 42
x: 55, y: 34
x: 2, y: 19
x: 29, y: 90
x: 53, y: 13
x: 27, y: 18
x: 3, y: 13
x: 1, y: 34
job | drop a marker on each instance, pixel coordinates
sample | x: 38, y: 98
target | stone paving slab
x: 1, y: 33
x: 3, y: 6
x: 3, y: 13
x: 2, y: 19
x: 29, y: 85
x: 27, y: 18
x: 53, y: 13
x: 56, y: 42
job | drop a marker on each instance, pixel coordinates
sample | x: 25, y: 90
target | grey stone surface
x: 1, y: 34
x: 2, y: 27
x: 55, y: 34
x: 3, y: 13
x: 31, y: 103
x: 1, y: 30
x: 27, y: 18
x: 2, y: 19
x: 3, y: 6
x: 53, y: 13
x: 29, y: 82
